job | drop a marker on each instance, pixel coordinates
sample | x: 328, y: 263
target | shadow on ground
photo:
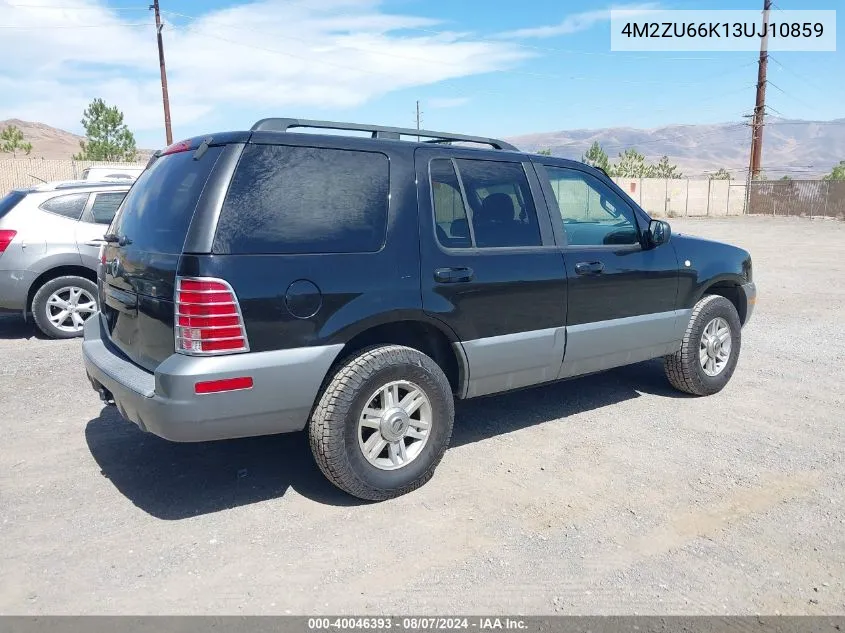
x: 12, y: 326
x: 176, y: 481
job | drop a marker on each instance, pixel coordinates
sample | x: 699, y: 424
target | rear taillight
x: 208, y: 318
x: 103, y: 254
x: 175, y: 148
x: 6, y: 237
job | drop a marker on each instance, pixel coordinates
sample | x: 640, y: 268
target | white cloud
x: 267, y: 56
x: 578, y: 22
x: 447, y: 102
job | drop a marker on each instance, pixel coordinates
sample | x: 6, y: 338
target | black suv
x: 267, y: 281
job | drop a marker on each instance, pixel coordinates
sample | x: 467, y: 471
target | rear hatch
x: 141, y: 259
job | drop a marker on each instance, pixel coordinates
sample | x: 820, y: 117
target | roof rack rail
x: 378, y: 131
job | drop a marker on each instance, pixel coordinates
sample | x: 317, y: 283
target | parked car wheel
x: 710, y: 349
x: 62, y: 305
x: 383, y: 422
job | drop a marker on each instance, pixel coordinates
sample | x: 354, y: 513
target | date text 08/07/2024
x: 416, y: 623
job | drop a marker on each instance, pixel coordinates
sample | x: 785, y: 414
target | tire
x: 684, y: 368
x: 338, y: 439
x: 42, y: 308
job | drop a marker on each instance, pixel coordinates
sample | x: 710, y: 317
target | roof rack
x: 378, y: 131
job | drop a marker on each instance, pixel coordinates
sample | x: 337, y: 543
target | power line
x: 443, y: 62
x: 112, y: 25
x: 77, y: 8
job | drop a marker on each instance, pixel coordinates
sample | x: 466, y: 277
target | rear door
x: 141, y: 265
x: 489, y: 266
x: 622, y: 294
x: 95, y: 221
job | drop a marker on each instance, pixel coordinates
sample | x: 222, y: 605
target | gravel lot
x: 607, y: 495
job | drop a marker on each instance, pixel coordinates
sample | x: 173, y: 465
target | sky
x: 488, y: 67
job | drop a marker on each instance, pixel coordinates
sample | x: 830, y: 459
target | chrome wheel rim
x: 715, y: 349
x: 395, y: 425
x: 68, y: 308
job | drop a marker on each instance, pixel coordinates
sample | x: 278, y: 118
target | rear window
x: 8, y: 202
x: 70, y: 206
x: 305, y: 200
x: 158, y: 209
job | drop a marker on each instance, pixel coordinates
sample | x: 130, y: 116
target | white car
x: 123, y: 174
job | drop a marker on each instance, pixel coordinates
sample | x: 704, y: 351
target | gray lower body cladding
x: 512, y: 361
x: 285, y: 385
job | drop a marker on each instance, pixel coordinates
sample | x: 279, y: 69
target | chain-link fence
x: 803, y: 198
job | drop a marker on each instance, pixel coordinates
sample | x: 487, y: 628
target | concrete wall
x: 684, y: 197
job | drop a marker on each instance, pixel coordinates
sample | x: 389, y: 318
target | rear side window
x: 501, y: 209
x: 9, y: 201
x: 305, y: 200
x: 158, y: 208
x: 104, y: 207
x: 70, y: 206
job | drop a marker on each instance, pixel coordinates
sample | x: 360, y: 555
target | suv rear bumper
x: 285, y: 385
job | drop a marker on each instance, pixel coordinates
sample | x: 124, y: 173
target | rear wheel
x: 710, y: 349
x: 383, y: 422
x: 61, y: 306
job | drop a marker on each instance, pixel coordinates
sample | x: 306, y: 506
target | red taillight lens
x: 6, y: 237
x: 227, y: 384
x: 208, y: 318
x: 103, y: 254
x: 181, y: 146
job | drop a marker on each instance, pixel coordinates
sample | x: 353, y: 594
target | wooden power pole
x: 165, y: 99
x: 760, y: 104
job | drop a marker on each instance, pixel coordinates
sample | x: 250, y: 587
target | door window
x: 104, y: 207
x: 501, y: 210
x: 591, y: 212
x: 450, y: 216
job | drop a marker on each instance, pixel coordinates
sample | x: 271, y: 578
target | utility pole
x: 165, y: 99
x: 419, y: 119
x: 760, y: 104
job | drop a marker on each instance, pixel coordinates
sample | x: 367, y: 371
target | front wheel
x: 383, y: 422
x: 61, y: 306
x: 710, y: 349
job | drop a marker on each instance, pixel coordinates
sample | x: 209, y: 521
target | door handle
x: 589, y: 268
x: 453, y: 275
x: 95, y: 242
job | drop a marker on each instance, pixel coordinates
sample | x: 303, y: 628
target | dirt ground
x: 611, y: 494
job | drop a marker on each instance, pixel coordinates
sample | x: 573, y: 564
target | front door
x: 95, y: 221
x: 622, y: 293
x: 490, y: 269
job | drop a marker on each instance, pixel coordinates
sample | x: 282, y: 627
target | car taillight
x: 103, y: 254
x: 6, y: 237
x: 208, y: 318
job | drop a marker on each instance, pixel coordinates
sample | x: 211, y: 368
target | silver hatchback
x: 50, y: 237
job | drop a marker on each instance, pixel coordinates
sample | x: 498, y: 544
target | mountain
x: 802, y: 149
x: 51, y: 142
x: 47, y: 142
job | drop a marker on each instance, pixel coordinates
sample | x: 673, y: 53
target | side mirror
x: 659, y: 232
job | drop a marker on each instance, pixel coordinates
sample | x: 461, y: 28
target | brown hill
x: 51, y: 142
x: 47, y: 141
